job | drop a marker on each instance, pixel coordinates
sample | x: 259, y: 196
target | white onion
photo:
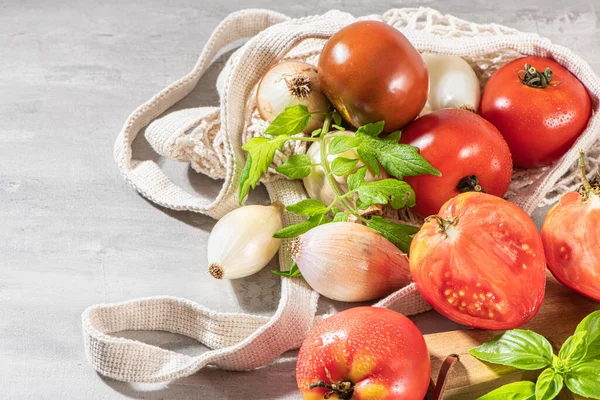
x: 452, y: 83
x: 346, y: 261
x: 242, y: 242
x: 287, y: 84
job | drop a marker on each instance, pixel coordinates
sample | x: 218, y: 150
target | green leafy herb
x: 577, y: 365
x: 549, y: 385
x: 301, y: 228
x: 398, y: 193
x: 584, y: 379
x: 591, y: 324
x: 575, y: 347
x: 339, y: 128
x: 357, y: 178
x: 309, y: 207
x: 513, y: 391
x: 296, y: 167
x: 340, y: 217
x: 398, y: 160
x: 342, y: 166
x: 261, y: 152
x: 316, y: 132
x: 337, y: 118
x: 516, y: 348
x: 291, y: 121
x: 294, y: 271
x: 399, y: 234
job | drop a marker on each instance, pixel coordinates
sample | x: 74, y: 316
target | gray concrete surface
x: 73, y: 233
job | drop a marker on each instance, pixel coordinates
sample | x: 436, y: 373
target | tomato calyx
x: 343, y: 389
x: 469, y: 184
x: 531, y: 77
x: 443, y: 224
x: 587, y: 188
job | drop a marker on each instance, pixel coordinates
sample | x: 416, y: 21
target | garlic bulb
x: 346, y: 261
x: 316, y: 183
x: 287, y: 84
x: 452, y: 83
x: 242, y: 242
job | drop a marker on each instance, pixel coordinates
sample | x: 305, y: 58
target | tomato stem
x: 586, y: 188
x: 469, y: 184
x: 443, y: 224
x: 343, y: 389
x: 531, y: 77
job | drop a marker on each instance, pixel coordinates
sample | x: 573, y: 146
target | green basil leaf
x: 294, y: 271
x: 296, y: 167
x: 340, y: 144
x: 342, y: 166
x: 337, y: 118
x: 308, y: 207
x: 400, y: 235
x: 575, y: 348
x: 517, y: 348
x: 548, y: 385
x: 316, y: 132
x: 340, y: 217
x: 303, y: 227
x: 291, y: 121
x: 513, y: 391
x: 591, y: 324
x: 337, y: 127
x: 398, y: 193
x: 357, y: 178
x: 584, y: 379
x: 261, y: 151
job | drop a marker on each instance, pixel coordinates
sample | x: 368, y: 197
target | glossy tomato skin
x: 487, y: 270
x: 371, y: 72
x: 539, y: 125
x: 571, y: 233
x: 380, y: 351
x: 459, y: 144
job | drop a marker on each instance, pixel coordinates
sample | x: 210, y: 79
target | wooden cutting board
x: 560, y: 313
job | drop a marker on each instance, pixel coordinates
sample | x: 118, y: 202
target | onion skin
x: 350, y: 262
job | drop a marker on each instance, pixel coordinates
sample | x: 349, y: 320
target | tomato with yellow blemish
x: 480, y: 262
x: 571, y: 233
x: 364, y: 353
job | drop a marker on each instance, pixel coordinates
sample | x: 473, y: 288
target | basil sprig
x: 577, y: 365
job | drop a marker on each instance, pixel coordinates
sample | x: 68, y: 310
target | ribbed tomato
x: 480, y: 262
x: 571, y: 233
x: 540, y: 114
x: 371, y: 72
x: 364, y: 353
x: 468, y: 151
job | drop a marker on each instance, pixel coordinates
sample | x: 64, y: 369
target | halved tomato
x: 480, y: 262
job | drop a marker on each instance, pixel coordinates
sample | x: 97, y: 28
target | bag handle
x: 146, y: 176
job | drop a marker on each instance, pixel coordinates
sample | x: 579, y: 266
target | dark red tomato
x: 364, y: 353
x: 539, y: 123
x: 371, y: 72
x: 468, y: 151
x: 571, y: 233
x: 480, y: 262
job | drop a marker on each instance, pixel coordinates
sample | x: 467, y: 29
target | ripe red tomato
x: 539, y: 124
x: 480, y: 262
x: 571, y: 233
x: 466, y: 149
x: 371, y: 72
x: 367, y: 353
